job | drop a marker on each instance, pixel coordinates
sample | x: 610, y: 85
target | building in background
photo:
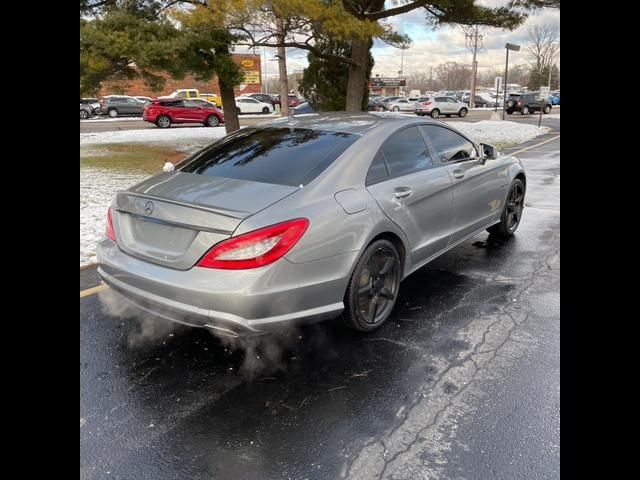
x: 249, y: 63
x: 387, y: 86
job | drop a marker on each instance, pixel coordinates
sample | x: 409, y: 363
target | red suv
x: 165, y: 111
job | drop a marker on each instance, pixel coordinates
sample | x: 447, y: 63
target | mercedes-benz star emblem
x: 148, y: 208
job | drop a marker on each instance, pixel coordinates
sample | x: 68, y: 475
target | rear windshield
x: 283, y: 156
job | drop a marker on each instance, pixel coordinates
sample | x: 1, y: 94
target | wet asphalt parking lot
x: 461, y: 383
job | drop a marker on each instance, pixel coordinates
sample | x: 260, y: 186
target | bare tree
x: 453, y: 75
x: 543, y: 45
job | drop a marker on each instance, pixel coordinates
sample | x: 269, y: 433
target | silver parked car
x: 304, y: 218
x: 436, y: 106
x: 401, y: 105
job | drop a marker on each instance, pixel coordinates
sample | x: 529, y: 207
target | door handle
x: 458, y: 173
x: 402, y: 192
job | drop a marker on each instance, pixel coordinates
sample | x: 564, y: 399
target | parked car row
x: 123, y: 105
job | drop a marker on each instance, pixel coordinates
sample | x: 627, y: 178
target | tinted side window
x: 406, y: 152
x: 377, y: 171
x: 172, y: 103
x: 441, y: 99
x: 283, y: 156
x: 449, y: 146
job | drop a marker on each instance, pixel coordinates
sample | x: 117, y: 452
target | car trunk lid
x: 172, y: 219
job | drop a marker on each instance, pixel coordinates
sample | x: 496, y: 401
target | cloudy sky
x: 431, y: 48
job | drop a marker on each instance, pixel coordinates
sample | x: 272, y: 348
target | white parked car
x: 251, y: 105
x: 401, y: 105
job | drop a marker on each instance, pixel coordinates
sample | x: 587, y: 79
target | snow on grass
x: 150, y: 135
x: 98, y: 187
x: 109, y: 119
x: 500, y: 133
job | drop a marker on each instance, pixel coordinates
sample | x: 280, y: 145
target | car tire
x: 463, y: 112
x: 525, y: 110
x: 547, y: 109
x: 84, y: 114
x: 513, y: 207
x: 163, y: 121
x: 435, y: 113
x: 265, y: 110
x: 238, y: 111
x: 112, y: 112
x: 484, y: 105
x: 371, y: 296
x: 212, y: 121
x: 509, y: 112
x: 396, y: 109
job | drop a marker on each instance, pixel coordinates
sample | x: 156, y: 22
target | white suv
x: 436, y: 106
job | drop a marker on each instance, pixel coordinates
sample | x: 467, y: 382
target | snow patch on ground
x: 169, y: 135
x: 552, y: 115
x: 98, y: 187
x: 109, y: 119
x: 501, y: 133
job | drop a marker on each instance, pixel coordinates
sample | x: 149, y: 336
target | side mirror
x: 488, y: 151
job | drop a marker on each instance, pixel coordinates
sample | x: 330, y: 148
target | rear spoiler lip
x: 171, y: 223
x: 235, y: 214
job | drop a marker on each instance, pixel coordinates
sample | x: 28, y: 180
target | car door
x: 133, y: 106
x: 479, y: 187
x: 413, y: 191
x: 178, y: 111
x: 535, y: 102
x: 452, y: 105
x: 253, y: 105
x: 442, y: 104
x: 192, y: 111
x: 242, y: 104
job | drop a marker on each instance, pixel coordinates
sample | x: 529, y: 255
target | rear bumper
x: 233, y: 303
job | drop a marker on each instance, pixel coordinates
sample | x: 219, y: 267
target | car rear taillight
x: 110, y: 232
x: 426, y: 103
x: 519, y: 102
x: 257, y: 248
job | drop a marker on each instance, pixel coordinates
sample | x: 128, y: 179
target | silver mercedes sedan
x: 303, y: 219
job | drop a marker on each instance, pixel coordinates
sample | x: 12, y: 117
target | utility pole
x: 473, y: 40
x: 401, y: 71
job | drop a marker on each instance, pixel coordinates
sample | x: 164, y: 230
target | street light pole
x: 515, y: 48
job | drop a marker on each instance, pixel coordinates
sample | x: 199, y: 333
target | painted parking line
x: 534, y: 146
x: 92, y: 290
